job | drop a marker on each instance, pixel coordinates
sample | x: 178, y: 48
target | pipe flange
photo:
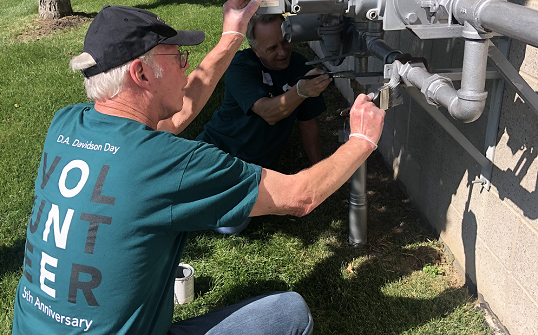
x: 430, y: 86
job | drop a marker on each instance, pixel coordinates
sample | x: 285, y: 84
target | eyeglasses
x: 183, y: 57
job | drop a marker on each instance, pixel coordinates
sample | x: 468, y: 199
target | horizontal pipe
x: 381, y: 50
x: 509, y: 19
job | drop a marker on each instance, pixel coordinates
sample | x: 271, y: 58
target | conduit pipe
x: 466, y: 104
x: 377, y: 47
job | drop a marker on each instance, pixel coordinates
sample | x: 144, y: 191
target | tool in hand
x: 389, y: 95
x: 386, y: 97
x: 339, y: 74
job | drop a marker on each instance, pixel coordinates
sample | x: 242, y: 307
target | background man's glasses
x: 183, y: 57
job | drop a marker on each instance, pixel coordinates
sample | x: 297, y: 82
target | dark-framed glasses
x: 182, y: 54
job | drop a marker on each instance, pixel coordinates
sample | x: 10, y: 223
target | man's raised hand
x: 237, y: 13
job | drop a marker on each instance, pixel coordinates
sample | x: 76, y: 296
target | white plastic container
x: 184, y: 285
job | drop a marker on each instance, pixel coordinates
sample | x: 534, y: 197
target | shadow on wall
x: 436, y: 169
x: 518, y: 182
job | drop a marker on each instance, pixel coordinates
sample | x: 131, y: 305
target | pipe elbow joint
x: 469, y: 106
x: 463, y: 105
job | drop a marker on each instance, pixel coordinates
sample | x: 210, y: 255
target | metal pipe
x: 358, y: 203
x: 358, y: 208
x: 376, y: 46
x: 472, y: 95
x: 466, y: 104
x: 500, y: 16
x: 437, y: 90
x: 511, y: 20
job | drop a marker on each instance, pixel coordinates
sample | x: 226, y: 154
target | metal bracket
x: 430, y: 31
x: 512, y: 76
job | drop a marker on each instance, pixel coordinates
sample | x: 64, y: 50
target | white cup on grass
x: 184, y: 284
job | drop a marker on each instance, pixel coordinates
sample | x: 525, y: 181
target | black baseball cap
x: 119, y: 34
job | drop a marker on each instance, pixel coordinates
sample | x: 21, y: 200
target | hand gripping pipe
x: 468, y: 102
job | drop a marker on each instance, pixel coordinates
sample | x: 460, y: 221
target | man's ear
x: 139, y: 73
x: 255, y: 51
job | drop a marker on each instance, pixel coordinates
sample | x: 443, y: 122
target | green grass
x: 399, y: 283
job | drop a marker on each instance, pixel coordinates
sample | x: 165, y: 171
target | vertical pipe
x: 358, y: 204
x: 472, y: 95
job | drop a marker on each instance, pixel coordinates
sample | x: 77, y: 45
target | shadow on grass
x: 347, y: 291
x: 11, y: 257
x: 357, y: 305
x: 354, y: 305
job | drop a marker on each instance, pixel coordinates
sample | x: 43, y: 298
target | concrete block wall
x: 493, y: 234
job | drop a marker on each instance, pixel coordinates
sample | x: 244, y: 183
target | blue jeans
x: 233, y: 230
x: 276, y: 313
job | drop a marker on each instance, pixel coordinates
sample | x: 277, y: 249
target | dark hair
x: 260, y: 18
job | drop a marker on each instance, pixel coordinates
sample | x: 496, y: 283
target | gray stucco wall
x: 493, y: 234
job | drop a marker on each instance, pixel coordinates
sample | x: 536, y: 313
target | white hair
x: 108, y: 84
x: 260, y: 19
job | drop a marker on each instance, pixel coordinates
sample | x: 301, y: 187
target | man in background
x: 264, y: 98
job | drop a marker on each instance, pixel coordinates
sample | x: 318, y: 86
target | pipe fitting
x: 413, y: 74
x: 462, y: 105
x: 465, y: 110
x: 500, y: 16
x: 435, y: 84
x: 466, y: 11
x: 470, y: 106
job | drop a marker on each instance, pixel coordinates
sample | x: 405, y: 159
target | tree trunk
x: 55, y: 9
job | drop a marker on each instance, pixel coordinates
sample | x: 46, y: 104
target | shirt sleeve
x: 244, y: 81
x: 216, y: 190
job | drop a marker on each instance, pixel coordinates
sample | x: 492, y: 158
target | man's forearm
x: 299, y: 194
x: 277, y: 108
x: 202, y: 82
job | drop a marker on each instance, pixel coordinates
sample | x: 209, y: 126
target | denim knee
x: 298, y: 312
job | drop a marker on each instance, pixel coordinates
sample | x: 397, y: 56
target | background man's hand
x: 366, y: 119
x: 237, y: 13
x: 313, y: 87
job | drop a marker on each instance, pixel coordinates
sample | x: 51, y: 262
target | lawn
x: 401, y: 282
